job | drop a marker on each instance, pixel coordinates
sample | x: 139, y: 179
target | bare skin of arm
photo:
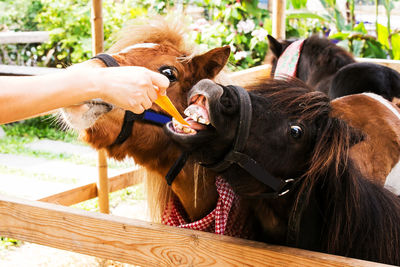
x: 132, y: 88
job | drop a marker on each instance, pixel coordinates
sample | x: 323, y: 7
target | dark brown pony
x: 293, y: 138
x: 158, y: 45
x: 319, y: 60
x: 328, y: 68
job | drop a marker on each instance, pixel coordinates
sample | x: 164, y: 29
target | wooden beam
x: 102, y: 183
x: 279, y: 19
x: 85, y: 192
x: 97, y: 27
x: 97, y: 47
x: 248, y: 76
x: 23, y: 37
x: 11, y: 70
x: 245, y: 77
x: 394, y: 64
x: 148, y: 244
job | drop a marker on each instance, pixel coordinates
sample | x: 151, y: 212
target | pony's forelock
x: 158, y: 30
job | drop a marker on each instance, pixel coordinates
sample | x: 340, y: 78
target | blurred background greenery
x: 242, y: 24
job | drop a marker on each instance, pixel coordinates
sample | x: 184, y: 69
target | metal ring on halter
x: 287, y: 181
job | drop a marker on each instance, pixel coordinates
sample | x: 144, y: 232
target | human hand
x: 132, y: 88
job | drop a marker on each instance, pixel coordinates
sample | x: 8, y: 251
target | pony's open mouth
x: 197, y: 117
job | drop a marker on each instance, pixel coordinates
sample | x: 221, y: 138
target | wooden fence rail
x: 23, y: 37
x: 147, y: 244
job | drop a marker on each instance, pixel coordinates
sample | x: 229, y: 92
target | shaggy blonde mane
x: 158, y: 30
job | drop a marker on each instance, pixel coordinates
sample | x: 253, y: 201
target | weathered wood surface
x: 278, y: 19
x: 245, y: 77
x: 394, y: 64
x: 23, y: 37
x: 85, y: 192
x: 11, y: 70
x: 146, y: 244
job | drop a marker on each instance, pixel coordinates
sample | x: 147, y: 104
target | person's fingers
x: 160, y: 81
x: 146, y: 103
x: 152, y: 94
x: 138, y: 109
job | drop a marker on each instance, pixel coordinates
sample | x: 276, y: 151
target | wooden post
x: 97, y: 47
x: 278, y: 19
x: 102, y: 185
x: 97, y: 27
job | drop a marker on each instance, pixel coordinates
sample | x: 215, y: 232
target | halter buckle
x: 287, y: 182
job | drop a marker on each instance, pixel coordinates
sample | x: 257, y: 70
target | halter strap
x: 108, y: 60
x: 149, y: 116
x: 235, y: 155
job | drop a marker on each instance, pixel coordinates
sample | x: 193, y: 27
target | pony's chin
x: 83, y: 116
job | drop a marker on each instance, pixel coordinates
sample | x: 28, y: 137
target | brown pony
x: 328, y: 68
x: 284, y: 153
x: 158, y: 45
x: 378, y: 155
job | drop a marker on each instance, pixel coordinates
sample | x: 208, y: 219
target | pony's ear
x: 211, y: 63
x: 275, y: 46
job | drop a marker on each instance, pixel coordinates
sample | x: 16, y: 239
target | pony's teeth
x: 194, y: 116
x: 187, y: 113
x: 203, y: 121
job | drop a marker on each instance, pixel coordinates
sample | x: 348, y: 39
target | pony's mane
x: 293, y: 97
x: 158, y: 30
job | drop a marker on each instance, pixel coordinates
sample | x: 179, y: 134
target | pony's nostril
x: 228, y: 102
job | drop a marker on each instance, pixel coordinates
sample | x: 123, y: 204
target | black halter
x: 149, y: 116
x: 235, y: 155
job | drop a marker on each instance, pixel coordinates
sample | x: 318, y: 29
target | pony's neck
x: 196, y: 190
x: 194, y: 186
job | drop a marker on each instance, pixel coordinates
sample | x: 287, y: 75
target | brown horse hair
x: 169, y: 31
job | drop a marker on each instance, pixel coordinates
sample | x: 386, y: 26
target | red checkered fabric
x: 225, y: 219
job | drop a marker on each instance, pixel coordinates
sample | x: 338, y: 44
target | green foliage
x: 69, y: 25
x: 240, y: 24
x: 6, y: 242
x: 40, y: 127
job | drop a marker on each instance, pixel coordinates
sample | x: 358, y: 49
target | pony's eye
x: 168, y: 72
x: 296, y: 131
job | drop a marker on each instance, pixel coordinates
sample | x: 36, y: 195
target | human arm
x: 127, y: 87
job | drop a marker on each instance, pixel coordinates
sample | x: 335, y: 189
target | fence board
x: 394, y: 64
x: 245, y: 77
x: 13, y: 70
x: 23, y: 37
x: 85, y: 192
x: 149, y: 244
